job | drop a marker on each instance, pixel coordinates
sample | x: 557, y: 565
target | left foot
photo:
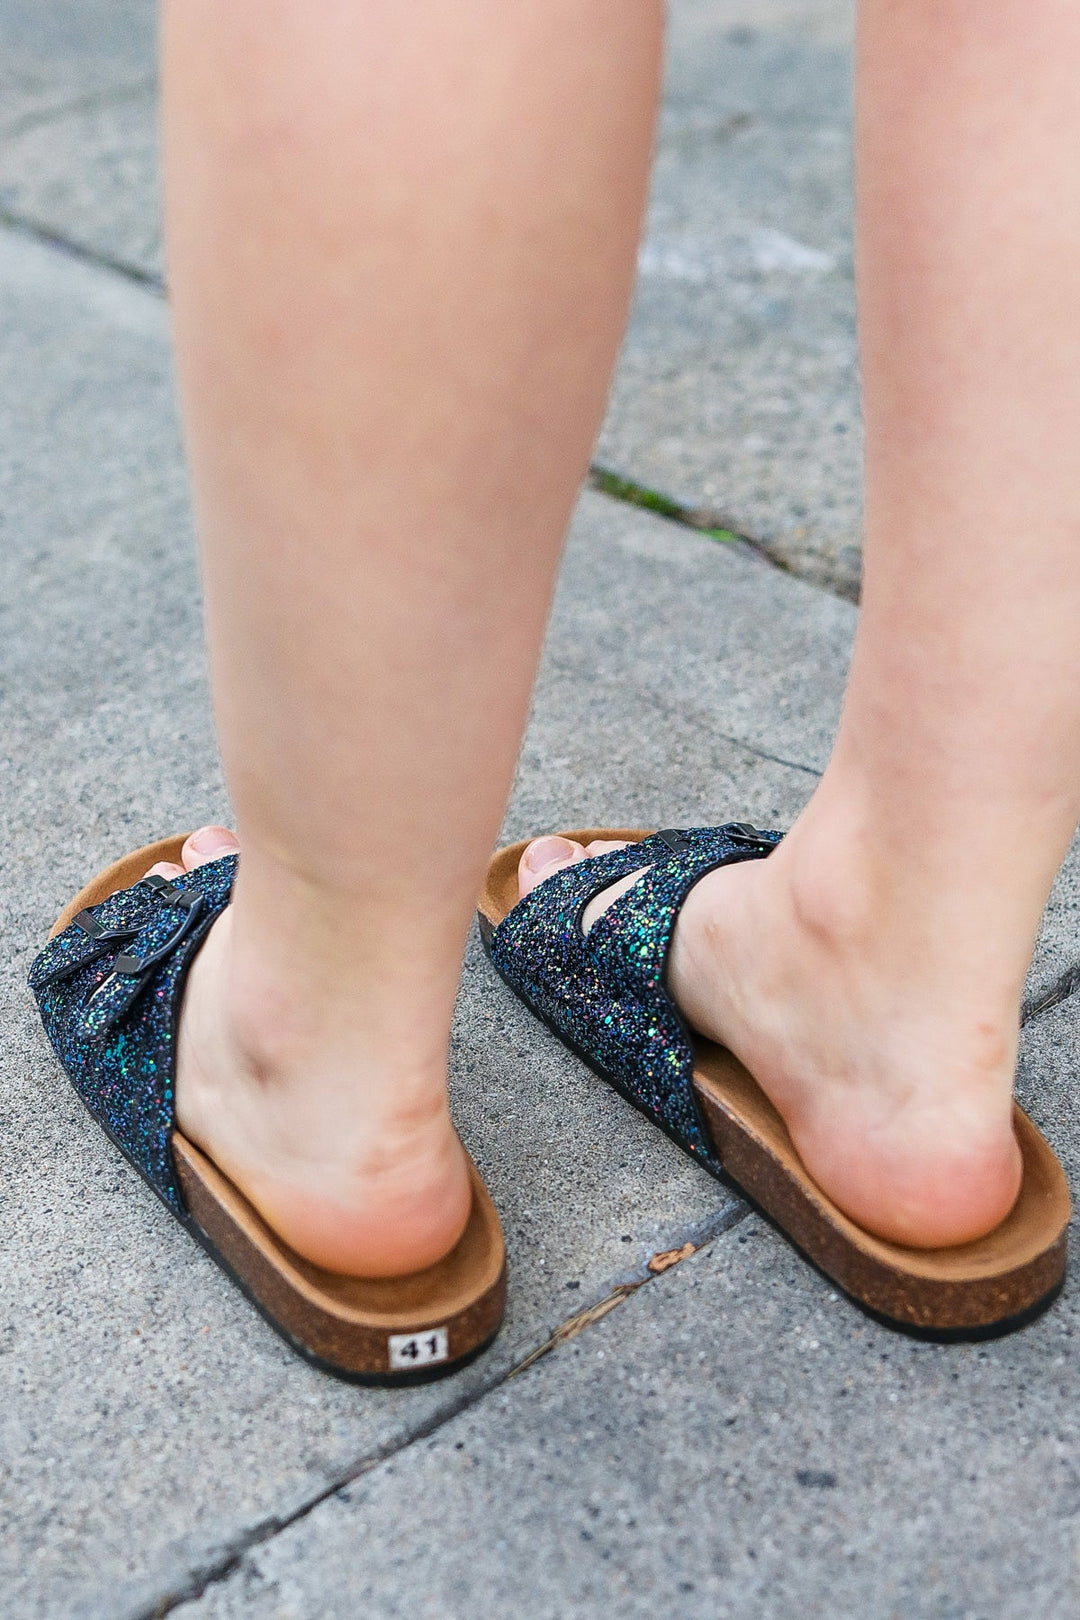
x: 344, y: 1147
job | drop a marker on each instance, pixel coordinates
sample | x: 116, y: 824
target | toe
x: 544, y: 857
x: 207, y: 844
x: 165, y: 869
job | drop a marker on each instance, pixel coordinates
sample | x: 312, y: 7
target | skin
x: 401, y: 243
x: 393, y: 360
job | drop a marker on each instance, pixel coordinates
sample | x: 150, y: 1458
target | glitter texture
x: 113, y: 1030
x: 604, y: 992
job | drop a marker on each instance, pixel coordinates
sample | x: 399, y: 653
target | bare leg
x: 401, y: 242
x: 870, y: 973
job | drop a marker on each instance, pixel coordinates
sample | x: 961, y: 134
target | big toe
x: 208, y: 844
x: 544, y: 857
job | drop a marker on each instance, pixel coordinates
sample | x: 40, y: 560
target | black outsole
x: 928, y: 1335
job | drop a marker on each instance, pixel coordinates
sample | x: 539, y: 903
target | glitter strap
x: 109, y: 988
x: 604, y: 992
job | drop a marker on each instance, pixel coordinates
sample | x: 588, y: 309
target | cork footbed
x: 973, y: 1289
x: 379, y: 1329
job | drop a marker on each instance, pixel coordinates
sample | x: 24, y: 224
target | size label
x: 418, y: 1349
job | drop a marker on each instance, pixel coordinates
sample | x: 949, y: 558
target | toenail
x: 545, y: 850
x: 208, y: 840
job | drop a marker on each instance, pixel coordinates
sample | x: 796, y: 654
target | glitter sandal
x: 108, y: 985
x: 604, y: 995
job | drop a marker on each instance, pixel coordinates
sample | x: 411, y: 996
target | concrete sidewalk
x: 727, y: 1438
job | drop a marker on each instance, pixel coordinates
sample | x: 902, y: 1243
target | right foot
x: 892, y: 1073
x: 357, y: 1167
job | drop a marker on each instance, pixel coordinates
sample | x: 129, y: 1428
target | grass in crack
x: 702, y: 520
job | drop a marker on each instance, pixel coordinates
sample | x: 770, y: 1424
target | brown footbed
x: 342, y: 1322
x: 1006, y: 1274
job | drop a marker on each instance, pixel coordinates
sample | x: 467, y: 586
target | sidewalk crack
x: 666, y: 1260
x: 1064, y: 986
x: 703, y: 519
x: 40, y: 231
x: 214, y: 1572
x: 90, y: 101
x: 706, y: 520
x: 674, y: 711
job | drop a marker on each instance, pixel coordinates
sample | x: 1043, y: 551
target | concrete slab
x: 70, y: 52
x: 680, y: 677
x: 643, y: 610
x: 1056, y: 968
x: 733, y: 1441
x: 825, y: 22
x: 150, y: 1421
x: 737, y: 386
x: 653, y: 603
x: 150, y: 1426
x: 89, y: 176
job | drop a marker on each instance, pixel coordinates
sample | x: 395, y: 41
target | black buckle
x: 190, y: 903
x: 738, y: 832
x: 187, y: 901
x: 97, y: 931
x: 675, y: 841
x: 168, y: 892
x: 102, y: 937
x: 741, y: 832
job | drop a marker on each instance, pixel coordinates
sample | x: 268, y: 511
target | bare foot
x: 892, y: 1074
x: 359, y: 1169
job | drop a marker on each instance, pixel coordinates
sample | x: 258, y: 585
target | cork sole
x: 379, y: 1330
x: 974, y: 1290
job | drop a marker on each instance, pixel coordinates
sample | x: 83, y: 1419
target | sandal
x: 603, y: 994
x: 108, y: 985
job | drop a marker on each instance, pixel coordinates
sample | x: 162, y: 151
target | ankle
x: 916, y: 904
x: 350, y: 1033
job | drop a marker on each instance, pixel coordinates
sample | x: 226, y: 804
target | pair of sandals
x: 109, y: 985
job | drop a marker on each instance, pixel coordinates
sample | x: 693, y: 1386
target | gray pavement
x: 730, y: 1438
x: 736, y: 392
x: 77, y: 125
x: 732, y: 1441
x: 737, y: 388
x: 70, y: 52
x: 145, y: 1410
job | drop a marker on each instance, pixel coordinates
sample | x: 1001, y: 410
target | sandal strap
x: 108, y: 989
x: 605, y: 992
x: 632, y: 938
